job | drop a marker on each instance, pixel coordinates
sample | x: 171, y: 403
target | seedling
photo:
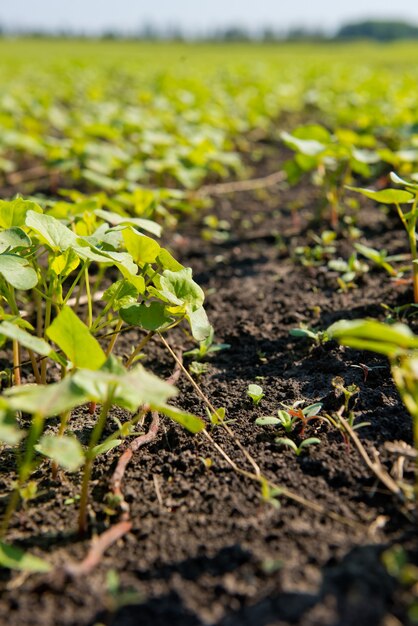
x: 297, y: 449
x: 381, y: 258
x: 283, y: 420
x: 206, y: 348
x: 317, y: 254
x: 398, y: 197
x: 318, y: 337
x: 400, y: 345
x: 291, y: 416
x: 350, y: 271
x: 256, y: 393
x: 198, y: 369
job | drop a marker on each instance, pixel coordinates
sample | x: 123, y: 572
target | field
x: 209, y: 366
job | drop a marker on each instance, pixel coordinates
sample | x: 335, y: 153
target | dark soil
x: 205, y: 548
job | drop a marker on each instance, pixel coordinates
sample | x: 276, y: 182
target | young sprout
x: 255, y: 392
x: 291, y: 416
x: 283, y: 419
x: 206, y: 347
x: 406, y: 196
x: 318, y: 337
x: 298, y: 450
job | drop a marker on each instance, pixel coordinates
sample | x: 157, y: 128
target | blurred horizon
x: 92, y: 17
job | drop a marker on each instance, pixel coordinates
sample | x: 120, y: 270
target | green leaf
x: 268, y: 420
x: 168, y: 262
x: 400, y: 181
x: 148, y: 316
x: 13, y: 239
x: 187, y: 420
x: 106, y: 446
x: 385, y: 196
x: 65, y: 263
x: 312, y: 409
x: 143, y: 249
x: 309, y: 442
x: 179, y: 288
x: 199, y: 324
x: 15, y: 558
x: 75, y: 340
x: 122, y: 293
x: 309, y: 147
x: 115, y: 219
x: 374, y: 336
x: 285, y: 441
x: 12, y: 331
x: 13, y: 212
x: 255, y: 392
x: 46, y: 400
x: 17, y: 272
x: 51, y: 231
x: 64, y: 450
x: 129, y: 390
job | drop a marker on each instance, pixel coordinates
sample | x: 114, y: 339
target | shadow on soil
x: 356, y: 590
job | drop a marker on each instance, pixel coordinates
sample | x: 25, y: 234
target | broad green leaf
x: 137, y: 280
x: 47, y: 400
x: 187, y: 420
x: 129, y: 390
x: 385, y: 196
x: 51, y: 231
x: 12, y: 331
x: 313, y: 131
x: 64, y: 450
x: 179, y: 288
x: 121, y: 294
x: 199, y: 324
x: 13, y: 212
x: 372, y: 335
x: 366, y: 156
x: 87, y: 251
x: 13, y: 239
x: 75, y: 340
x: 15, y: 558
x: 143, y: 249
x: 149, y: 317
x: 309, y: 147
x: 168, y: 262
x: 115, y: 219
x: 65, y: 263
x: 17, y: 272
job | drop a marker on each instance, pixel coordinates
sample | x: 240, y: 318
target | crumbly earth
x: 205, y: 549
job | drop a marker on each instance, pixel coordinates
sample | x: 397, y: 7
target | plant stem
x: 74, y: 284
x: 16, y: 362
x: 139, y: 347
x: 47, y: 322
x: 88, y: 467
x: 35, y: 367
x: 25, y: 469
x: 114, y: 338
x: 89, y: 301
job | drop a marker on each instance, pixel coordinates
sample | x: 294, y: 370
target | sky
x: 197, y: 15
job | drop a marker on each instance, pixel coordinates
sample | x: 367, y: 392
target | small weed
x: 256, y: 393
